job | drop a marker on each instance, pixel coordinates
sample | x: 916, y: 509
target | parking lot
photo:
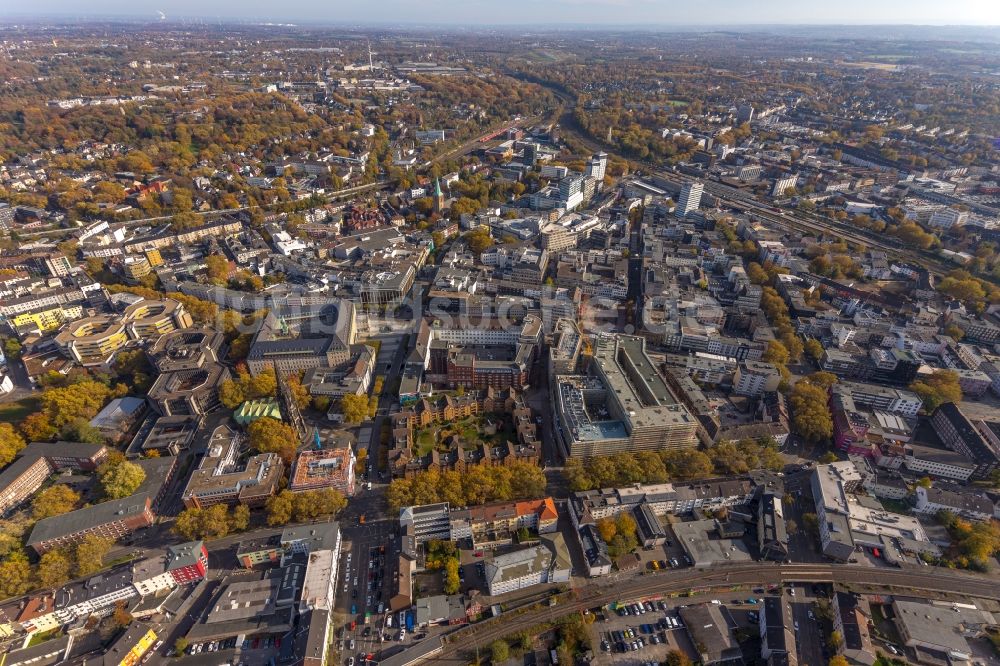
x: 639, y: 633
x: 644, y: 631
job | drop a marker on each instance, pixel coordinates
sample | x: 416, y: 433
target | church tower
x: 438, y: 196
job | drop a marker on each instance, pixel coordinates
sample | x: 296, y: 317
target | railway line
x: 936, y: 582
x: 736, y: 199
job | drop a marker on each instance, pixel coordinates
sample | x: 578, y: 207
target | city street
x: 802, y: 545
x: 368, y: 563
x: 808, y: 637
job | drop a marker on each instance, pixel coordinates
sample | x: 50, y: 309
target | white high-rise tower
x: 690, y: 198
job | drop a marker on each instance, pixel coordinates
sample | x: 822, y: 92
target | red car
x: 353, y: 625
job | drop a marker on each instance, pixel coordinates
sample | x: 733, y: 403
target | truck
x: 409, y: 621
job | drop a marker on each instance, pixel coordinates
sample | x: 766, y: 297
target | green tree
x: 11, y: 348
x: 354, y: 408
x: 452, y: 581
x: 810, y: 413
x: 11, y: 443
x: 479, y: 239
x: 625, y: 523
x: 313, y: 504
x: 499, y: 651
x: 814, y: 348
x: 15, y: 574
x: 935, y: 390
x: 954, y: 332
x: 757, y: 274
x: 776, y: 353
x: 54, y: 569
x: 81, y: 400
x: 180, y: 645
x: 677, y: 658
x: 90, y: 552
x: 54, y: 501
x: 269, y: 435
x: 811, y: 522
x: 688, y: 465
x: 197, y: 523
x: 607, y: 528
x: 280, y: 507
x: 240, y: 519
x: 120, y: 478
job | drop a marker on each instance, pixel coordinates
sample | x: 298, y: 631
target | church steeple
x: 438, y: 196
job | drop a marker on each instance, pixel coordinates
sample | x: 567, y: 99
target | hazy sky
x: 528, y: 12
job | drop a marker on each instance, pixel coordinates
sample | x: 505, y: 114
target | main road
x: 599, y: 593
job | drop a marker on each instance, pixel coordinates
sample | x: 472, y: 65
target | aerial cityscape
x: 500, y: 334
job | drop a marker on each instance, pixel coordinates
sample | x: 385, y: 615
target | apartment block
x: 493, y: 525
x: 427, y: 522
x: 545, y: 563
x: 37, y: 461
x: 958, y: 433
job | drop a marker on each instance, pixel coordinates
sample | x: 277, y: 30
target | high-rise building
x: 571, y: 191
x: 690, y: 198
x: 569, y: 186
x: 597, y: 165
x: 744, y: 113
x: 530, y: 153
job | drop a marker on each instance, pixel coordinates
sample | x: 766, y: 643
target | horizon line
x: 271, y: 21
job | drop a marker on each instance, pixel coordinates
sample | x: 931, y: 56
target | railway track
x: 462, y: 641
x: 795, y: 221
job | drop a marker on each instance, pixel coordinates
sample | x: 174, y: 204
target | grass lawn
x: 425, y: 443
x: 13, y: 412
x: 42, y: 636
